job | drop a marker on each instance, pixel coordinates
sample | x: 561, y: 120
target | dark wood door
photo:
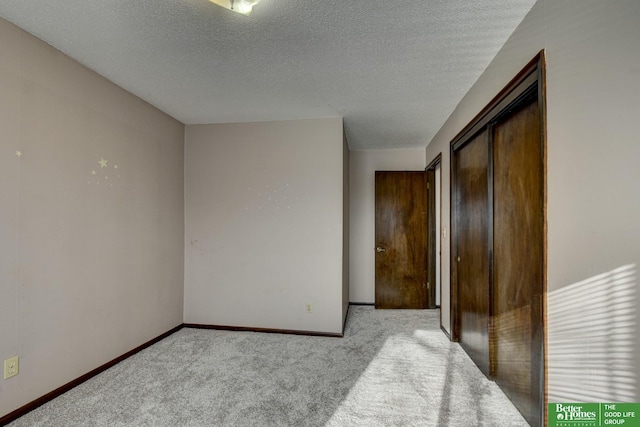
x: 470, y: 252
x: 401, y: 240
x: 517, y: 341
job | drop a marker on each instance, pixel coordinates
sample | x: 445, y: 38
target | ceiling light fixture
x: 239, y: 6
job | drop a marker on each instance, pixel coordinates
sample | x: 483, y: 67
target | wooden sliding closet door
x: 498, y: 240
x: 517, y: 339
x: 470, y: 252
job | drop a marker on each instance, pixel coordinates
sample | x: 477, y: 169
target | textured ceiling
x: 394, y: 69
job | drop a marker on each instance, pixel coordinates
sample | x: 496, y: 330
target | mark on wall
x: 102, y: 175
x: 271, y: 198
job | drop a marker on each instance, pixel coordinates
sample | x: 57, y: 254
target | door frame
x: 529, y: 82
x: 433, y: 234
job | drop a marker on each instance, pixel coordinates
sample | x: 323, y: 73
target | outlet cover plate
x: 11, y: 367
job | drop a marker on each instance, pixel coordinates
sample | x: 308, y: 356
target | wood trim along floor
x: 23, y: 410
x: 445, y: 332
x: 12, y: 416
x: 263, y: 330
x: 344, y: 322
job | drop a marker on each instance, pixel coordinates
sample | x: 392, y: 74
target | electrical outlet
x: 309, y: 307
x: 11, y: 367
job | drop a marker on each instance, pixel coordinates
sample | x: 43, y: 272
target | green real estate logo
x: 594, y: 414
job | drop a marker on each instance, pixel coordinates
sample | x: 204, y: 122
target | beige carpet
x: 392, y: 368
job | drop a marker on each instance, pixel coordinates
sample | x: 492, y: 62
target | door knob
x: 380, y: 249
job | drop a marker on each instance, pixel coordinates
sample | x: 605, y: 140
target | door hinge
x: 427, y: 185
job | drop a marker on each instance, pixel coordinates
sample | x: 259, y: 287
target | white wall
x: 364, y: 163
x: 345, y: 225
x: 264, y: 224
x: 91, y: 261
x: 593, y: 68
